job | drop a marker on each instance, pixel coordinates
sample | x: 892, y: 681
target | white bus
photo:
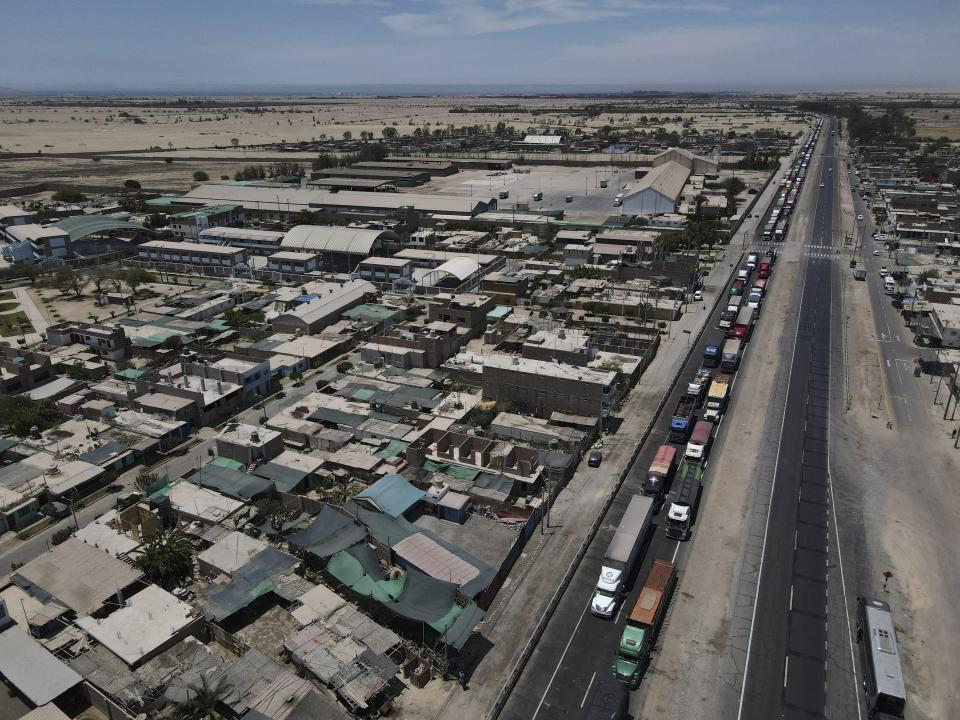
x: 883, y: 685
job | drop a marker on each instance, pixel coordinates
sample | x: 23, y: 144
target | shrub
x: 131, y: 184
x: 342, y: 367
x: 61, y: 535
x: 200, y: 176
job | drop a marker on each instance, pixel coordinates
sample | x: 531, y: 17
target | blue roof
x: 392, y: 495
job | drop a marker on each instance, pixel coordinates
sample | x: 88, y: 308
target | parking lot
x: 582, y: 185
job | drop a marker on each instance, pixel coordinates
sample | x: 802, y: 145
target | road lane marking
x: 676, y: 549
x: 560, y: 661
x: 786, y: 668
x: 791, y: 597
x: 589, y: 685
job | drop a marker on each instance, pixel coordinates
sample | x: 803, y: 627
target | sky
x: 632, y: 44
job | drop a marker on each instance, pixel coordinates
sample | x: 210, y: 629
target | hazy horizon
x: 113, y: 47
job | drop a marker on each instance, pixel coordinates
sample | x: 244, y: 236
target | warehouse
x: 658, y: 191
x: 435, y: 168
x: 401, y: 177
x: 340, y: 248
x: 283, y: 203
x: 336, y: 184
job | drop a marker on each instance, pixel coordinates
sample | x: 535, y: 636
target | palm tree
x: 167, y: 558
x: 204, y: 699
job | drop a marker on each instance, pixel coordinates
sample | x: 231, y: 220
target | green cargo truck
x: 643, y: 624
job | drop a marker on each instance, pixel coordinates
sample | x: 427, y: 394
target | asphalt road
x: 569, y: 670
x: 786, y: 668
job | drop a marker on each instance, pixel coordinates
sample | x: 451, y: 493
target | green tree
x: 237, y: 318
x: 131, y: 184
x: 98, y: 275
x: 347, y: 135
x: 167, y: 558
x: 146, y: 482
x: 137, y: 277
x: 19, y: 414
x: 68, y: 280
x: 200, y: 176
x: 69, y: 196
x: 204, y: 699
x: 389, y: 133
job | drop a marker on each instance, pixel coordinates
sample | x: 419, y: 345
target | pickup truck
x: 643, y: 624
x: 717, y: 397
x: 682, y: 418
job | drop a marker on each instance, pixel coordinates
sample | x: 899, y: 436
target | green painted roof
x: 80, y: 226
x: 499, y: 312
x: 226, y: 462
x: 205, y: 211
x: 129, y: 374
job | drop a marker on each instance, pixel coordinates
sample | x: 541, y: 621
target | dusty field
x: 937, y: 122
x: 26, y: 127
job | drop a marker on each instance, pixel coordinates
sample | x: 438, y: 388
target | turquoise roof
x: 80, y: 226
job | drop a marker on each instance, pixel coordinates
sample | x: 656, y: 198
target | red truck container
x: 764, y: 270
x: 658, y: 476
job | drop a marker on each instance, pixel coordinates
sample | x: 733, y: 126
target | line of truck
x: 675, y: 476
x: 779, y: 221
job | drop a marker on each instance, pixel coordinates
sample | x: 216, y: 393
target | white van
x: 889, y: 284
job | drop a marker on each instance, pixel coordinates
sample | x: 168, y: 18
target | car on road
x: 883, y: 271
x: 876, y: 253
x: 538, y: 196
x: 859, y: 217
x: 568, y: 198
x: 595, y: 458
x: 698, y: 294
x: 821, y: 184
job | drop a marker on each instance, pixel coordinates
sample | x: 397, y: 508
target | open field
x: 937, y: 122
x: 15, y: 323
x: 27, y: 126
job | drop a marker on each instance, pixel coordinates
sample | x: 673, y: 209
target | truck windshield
x: 605, y: 593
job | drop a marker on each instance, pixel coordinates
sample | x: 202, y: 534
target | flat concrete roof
x: 232, y: 552
x: 149, y: 619
x: 79, y: 575
x: 29, y: 668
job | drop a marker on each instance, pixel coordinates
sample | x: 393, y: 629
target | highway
x: 786, y: 672
x: 570, y: 669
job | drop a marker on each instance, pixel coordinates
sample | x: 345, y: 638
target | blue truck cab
x: 711, y: 356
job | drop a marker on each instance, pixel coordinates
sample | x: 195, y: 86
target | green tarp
x: 348, y: 570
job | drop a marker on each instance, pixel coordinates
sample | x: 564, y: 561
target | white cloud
x: 464, y: 17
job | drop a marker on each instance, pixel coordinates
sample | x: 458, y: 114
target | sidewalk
x: 533, y: 580
x: 39, y: 322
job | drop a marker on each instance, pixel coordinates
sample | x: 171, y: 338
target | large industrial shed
x: 282, y: 203
x: 341, y: 248
x: 658, y: 191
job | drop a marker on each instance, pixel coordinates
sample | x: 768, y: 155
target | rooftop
x: 232, y: 552
x: 79, y: 575
x: 146, y: 622
x: 28, y: 667
x: 192, y: 247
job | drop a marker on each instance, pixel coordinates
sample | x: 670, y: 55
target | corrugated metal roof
x: 333, y: 238
x: 32, y: 670
x: 80, y: 226
x: 667, y: 179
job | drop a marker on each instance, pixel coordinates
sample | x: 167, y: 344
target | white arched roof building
x: 336, y: 239
x: 454, y: 271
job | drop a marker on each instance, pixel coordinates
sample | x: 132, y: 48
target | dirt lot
x: 898, y: 512
x: 937, y: 122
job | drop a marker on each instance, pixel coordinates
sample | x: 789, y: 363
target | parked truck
x: 699, y: 444
x: 643, y: 624
x: 730, y: 357
x: 658, y: 475
x: 621, y: 556
x: 698, y: 386
x: 726, y: 323
x: 683, y: 509
x: 764, y: 270
x: 682, y: 419
x: 717, y: 397
x: 743, y: 324
x: 711, y: 356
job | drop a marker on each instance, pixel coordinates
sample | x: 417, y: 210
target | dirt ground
x: 937, y: 122
x: 899, y: 512
x: 26, y: 126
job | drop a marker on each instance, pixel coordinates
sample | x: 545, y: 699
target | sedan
x: 859, y: 217
x: 698, y: 295
x: 876, y: 253
x: 595, y: 458
x: 883, y: 271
